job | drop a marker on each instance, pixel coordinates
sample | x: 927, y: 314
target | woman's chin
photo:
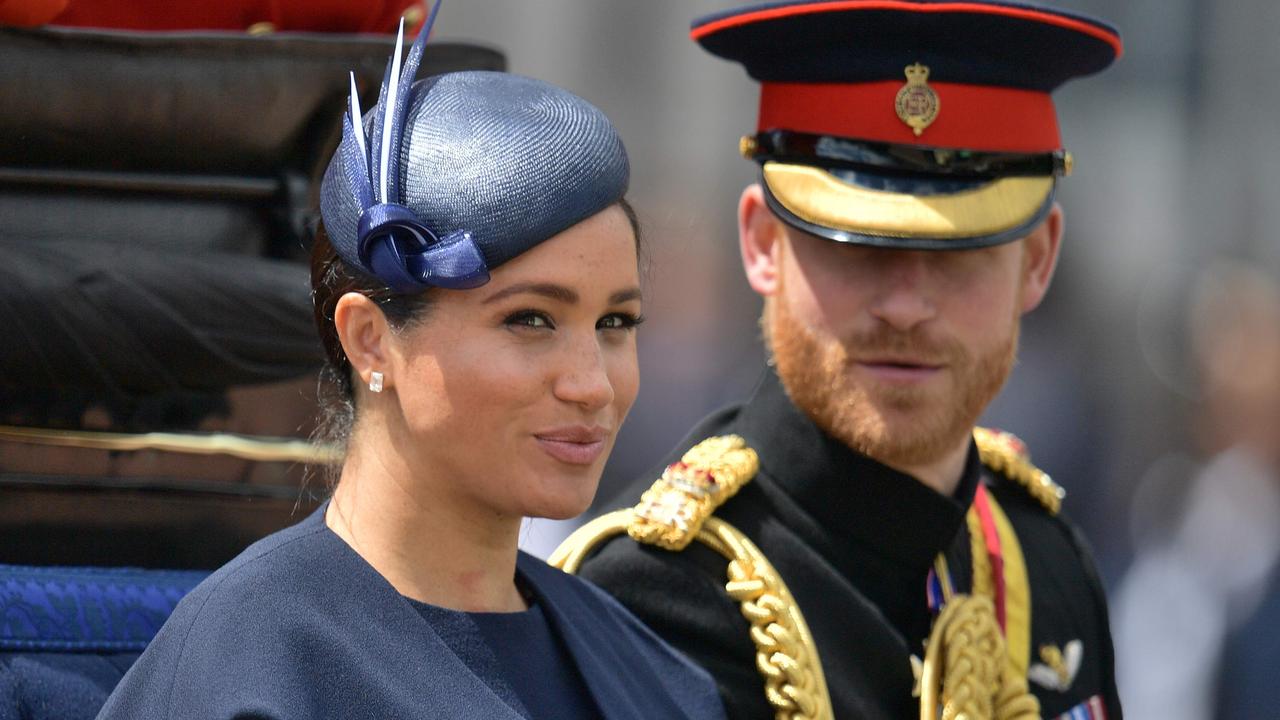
x: 561, y: 515
x: 564, y: 508
x: 570, y: 498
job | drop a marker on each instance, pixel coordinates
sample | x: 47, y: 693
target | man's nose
x: 905, y: 296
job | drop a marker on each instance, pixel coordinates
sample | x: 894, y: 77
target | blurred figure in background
x: 1197, y: 617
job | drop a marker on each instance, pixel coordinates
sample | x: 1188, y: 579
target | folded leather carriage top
x: 157, y: 195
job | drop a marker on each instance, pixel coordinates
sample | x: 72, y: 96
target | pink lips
x: 898, y: 371
x: 574, y: 444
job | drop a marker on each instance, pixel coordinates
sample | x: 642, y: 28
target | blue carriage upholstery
x: 68, y: 634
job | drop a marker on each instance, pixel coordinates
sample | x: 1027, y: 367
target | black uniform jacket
x: 300, y: 626
x: 854, y: 540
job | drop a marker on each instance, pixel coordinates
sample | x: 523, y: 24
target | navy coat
x: 300, y: 626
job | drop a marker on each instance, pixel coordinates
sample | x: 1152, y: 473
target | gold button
x: 261, y: 28
x: 747, y: 146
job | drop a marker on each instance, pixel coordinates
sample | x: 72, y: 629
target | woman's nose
x: 584, y: 378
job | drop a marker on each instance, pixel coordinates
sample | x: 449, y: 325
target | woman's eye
x: 530, y: 319
x: 619, y: 321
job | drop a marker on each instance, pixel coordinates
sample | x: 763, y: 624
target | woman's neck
x: 416, y: 533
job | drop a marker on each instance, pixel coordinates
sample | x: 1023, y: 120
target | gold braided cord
x: 966, y: 665
x: 241, y: 446
x: 786, y: 654
x: 983, y: 582
x: 671, y: 512
x: 965, y: 671
x: 1004, y: 453
x: 575, y: 548
x: 1014, y: 700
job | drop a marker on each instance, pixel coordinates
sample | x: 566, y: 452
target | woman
x: 476, y: 289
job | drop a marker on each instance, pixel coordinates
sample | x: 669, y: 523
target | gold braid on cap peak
x: 1006, y: 454
x: 674, y: 512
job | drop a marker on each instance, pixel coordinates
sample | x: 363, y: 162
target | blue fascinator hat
x: 451, y: 176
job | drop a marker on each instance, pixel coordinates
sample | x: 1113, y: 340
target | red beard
x: 896, y: 425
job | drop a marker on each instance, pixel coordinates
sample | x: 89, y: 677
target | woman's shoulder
x: 240, y: 627
x: 267, y: 591
x: 279, y: 567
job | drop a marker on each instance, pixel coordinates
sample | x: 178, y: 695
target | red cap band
x: 970, y: 117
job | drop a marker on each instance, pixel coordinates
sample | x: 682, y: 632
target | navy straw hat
x: 923, y: 124
x: 450, y: 177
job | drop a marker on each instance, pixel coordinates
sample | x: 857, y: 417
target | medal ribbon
x: 940, y: 586
x: 995, y: 554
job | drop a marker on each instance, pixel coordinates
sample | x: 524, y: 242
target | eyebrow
x: 622, y: 296
x: 560, y: 293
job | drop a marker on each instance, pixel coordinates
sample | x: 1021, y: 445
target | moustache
x: 912, y: 347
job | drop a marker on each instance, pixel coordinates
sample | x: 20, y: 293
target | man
x: 903, y: 224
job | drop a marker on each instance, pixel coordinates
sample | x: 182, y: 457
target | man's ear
x: 760, y: 238
x: 1041, y: 258
x: 364, y: 333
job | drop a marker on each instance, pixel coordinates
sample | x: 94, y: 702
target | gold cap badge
x: 917, y: 103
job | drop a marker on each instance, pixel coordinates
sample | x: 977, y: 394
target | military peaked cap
x: 924, y: 124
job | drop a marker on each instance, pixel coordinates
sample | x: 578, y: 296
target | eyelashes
x: 538, y: 320
x: 533, y: 319
x: 620, y: 321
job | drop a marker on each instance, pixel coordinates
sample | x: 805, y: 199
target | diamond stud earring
x: 375, y: 381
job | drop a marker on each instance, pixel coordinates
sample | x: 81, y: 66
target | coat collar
x: 594, y: 633
x: 597, y: 639
x: 469, y: 696
x: 869, y: 503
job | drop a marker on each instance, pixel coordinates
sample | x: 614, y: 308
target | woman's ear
x: 760, y: 239
x: 364, y: 333
x: 1040, y: 258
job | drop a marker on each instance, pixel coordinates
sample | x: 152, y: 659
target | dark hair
x: 331, y: 278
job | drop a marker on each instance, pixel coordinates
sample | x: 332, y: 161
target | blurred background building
x: 1174, y: 147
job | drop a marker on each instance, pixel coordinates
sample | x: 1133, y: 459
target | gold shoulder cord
x: 676, y: 511
x: 1004, y: 453
x: 965, y: 675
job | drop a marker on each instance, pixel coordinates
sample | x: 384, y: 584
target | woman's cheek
x: 624, y: 375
